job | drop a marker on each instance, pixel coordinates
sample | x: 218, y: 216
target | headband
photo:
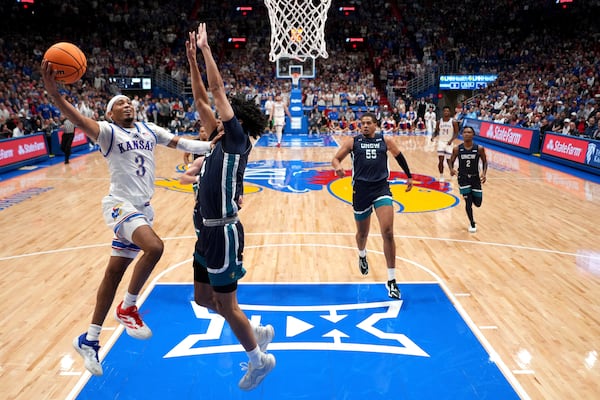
x: 113, y: 101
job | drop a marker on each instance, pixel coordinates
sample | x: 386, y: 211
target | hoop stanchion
x: 298, y: 122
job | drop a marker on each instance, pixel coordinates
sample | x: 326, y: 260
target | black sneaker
x: 363, y: 265
x: 393, y: 290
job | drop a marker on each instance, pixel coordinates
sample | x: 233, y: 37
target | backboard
x: 287, y: 66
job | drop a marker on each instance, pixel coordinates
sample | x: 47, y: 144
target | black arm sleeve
x: 403, y: 164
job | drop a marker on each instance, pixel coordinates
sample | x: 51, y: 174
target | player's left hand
x: 482, y: 178
x: 201, y: 36
x: 409, y: 185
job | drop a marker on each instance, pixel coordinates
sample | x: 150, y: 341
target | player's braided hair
x: 249, y: 113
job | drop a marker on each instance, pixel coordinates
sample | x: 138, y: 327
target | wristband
x: 403, y: 164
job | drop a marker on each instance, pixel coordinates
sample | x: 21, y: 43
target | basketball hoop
x: 297, y: 28
x: 295, y: 79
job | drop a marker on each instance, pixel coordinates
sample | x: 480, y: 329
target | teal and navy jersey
x: 222, y: 173
x: 468, y: 160
x: 369, y: 159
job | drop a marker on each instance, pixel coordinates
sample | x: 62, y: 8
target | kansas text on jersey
x: 130, y: 156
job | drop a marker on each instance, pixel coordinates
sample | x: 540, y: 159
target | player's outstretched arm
x: 215, y: 81
x: 201, y: 100
x: 87, y: 125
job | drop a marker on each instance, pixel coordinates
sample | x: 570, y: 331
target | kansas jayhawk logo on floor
x: 298, y: 176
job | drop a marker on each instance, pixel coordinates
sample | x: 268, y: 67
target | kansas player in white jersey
x: 278, y: 112
x: 371, y: 191
x: 446, y: 131
x: 128, y: 147
x: 430, y: 121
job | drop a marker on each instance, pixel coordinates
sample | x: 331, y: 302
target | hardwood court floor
x: 529, y: 279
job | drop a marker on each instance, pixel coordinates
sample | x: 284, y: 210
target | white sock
x: 254, y: 356
x: 129, y: 300
x: 93, y: 332
x: 391, y: 273
x: 362, y: 253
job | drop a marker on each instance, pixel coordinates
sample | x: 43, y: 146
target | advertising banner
x: 506, y: 134
x: 21, y: 149
x: 583, y: 152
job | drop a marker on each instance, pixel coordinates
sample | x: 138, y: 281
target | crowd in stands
x: 548, y: 73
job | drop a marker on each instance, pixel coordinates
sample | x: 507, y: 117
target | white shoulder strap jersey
x: 446, y: 128
x: 130, y: 156
x: 278, y: 109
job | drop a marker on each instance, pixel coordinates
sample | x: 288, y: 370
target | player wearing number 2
x: 128, y: 147
x: 371, y: 190
x: 469, y: 177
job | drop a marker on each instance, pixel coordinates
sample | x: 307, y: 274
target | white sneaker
x: 472, y: 228
x: 89, y: 351
x: 264, y: 335
x: 255, y: 375
x: 442, y: 179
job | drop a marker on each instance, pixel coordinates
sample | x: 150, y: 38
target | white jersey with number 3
x: 130, y: 156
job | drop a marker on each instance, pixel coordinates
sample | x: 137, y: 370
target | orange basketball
x: 67, y: 60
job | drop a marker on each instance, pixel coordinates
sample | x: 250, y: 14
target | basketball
x: 67, y: 60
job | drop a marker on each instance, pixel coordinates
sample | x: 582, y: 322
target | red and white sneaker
x: 131, y: 320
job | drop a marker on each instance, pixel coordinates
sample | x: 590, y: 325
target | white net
x: 297, y: 28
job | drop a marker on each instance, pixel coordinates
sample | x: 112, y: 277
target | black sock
x: 469, y: 209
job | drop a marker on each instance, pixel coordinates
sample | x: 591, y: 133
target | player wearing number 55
x: 371, y: 190
x: 128, y: 148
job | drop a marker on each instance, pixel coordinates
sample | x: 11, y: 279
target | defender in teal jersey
x: 371, y: 190
x: 469, y: 178
x: 222, y: 234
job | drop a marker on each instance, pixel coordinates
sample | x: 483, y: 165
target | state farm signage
x: 78, y: 139
x: 22, y: 149
x: 568, y: 148
x: 507, y: 134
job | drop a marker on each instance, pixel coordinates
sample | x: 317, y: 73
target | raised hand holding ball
x: 67, y: 60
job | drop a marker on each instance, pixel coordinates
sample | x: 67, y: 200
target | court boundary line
x: 171, y: 238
